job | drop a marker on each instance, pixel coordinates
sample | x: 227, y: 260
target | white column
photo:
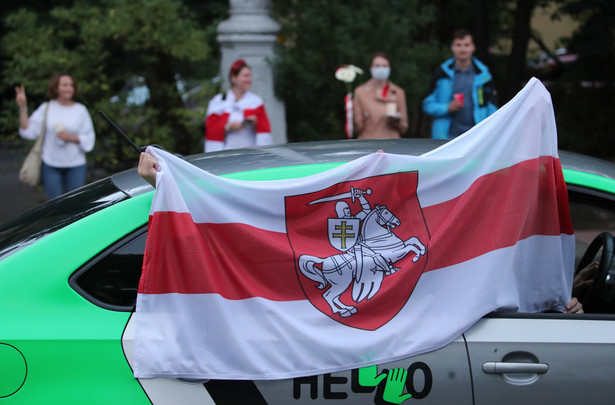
x: 250, y: 33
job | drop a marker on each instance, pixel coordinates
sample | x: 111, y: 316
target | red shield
x: 307, y: 230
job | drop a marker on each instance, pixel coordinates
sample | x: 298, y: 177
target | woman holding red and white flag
x: 237, y: 118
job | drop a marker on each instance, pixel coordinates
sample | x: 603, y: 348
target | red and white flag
x: 381, y: 258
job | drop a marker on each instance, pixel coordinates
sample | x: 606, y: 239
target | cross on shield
x: 343, y: 232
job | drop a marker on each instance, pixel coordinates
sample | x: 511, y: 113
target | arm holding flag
x: 148, y: 167
x: 574, y: 307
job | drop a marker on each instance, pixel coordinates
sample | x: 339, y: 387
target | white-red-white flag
x: 225, y: 108
x: 381, y: 258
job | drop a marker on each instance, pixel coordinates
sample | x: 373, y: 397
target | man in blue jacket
x: 461, y: 91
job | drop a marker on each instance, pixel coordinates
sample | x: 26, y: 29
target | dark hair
x: 461, y: 34
x: 378, y: 54
x: 54, y: 82
x: 236, y: 67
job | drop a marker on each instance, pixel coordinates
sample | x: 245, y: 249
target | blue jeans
x: 60, y: 180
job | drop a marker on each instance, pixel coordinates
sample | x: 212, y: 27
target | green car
x: 69, y: 271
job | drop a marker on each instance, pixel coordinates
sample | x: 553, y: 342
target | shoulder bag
x: 30, y: 172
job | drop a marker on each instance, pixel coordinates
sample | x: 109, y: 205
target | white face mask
x: 380, y: 72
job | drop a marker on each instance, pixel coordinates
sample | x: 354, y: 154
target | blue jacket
x: 441, y: 94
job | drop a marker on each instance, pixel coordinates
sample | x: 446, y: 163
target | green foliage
x: 583, y: 93
x: 594, y: 39
x: 318, y: 36
x: 106, y: 45
x: 584, y: 119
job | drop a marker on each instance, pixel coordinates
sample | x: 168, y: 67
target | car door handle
x: 500, y: 367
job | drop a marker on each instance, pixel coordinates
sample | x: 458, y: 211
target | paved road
x: 15, y: 197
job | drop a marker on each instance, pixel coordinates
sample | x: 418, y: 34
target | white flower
x: 345, y: 74
x: 356, y: 69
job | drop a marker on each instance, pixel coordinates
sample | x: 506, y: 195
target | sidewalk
x: 15, y: 197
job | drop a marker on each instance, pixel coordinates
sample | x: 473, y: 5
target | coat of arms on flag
x: 359, y: 247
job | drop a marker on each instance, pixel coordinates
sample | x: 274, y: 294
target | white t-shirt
x: 74, y: 119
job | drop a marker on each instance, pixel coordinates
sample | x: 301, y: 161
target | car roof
x: 587, y: 164
x: 305, y: 153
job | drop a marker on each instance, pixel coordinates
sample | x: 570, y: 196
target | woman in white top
x: 237, y: 118
x: 69, y: 135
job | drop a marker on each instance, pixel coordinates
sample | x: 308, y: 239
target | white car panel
x: 568, y: 359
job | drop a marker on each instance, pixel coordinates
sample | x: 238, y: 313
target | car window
x: 592, y: 213
x: 47, y: 218
x: 111, y: 279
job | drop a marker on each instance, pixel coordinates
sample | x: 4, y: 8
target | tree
x: 583, y: 93
x: 106, y: 44
x: 594, y: 39
x: 520, y: 38
x: 320, y: 35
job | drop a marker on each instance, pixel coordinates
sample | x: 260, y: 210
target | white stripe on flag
x: 265, y: 339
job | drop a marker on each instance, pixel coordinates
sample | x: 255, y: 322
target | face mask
x: 380, y: 72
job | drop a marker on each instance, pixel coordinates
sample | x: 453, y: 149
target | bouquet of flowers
x: 347, y: 74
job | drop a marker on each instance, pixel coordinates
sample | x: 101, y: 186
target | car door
x: 543, y: 358
x: 551, y: 358
x: 438, y: 377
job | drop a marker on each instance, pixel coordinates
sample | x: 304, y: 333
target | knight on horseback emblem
x: 368, y: 251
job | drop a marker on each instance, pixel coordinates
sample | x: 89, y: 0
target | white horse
x: 367, y: 262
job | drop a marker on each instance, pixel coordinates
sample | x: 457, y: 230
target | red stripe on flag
x: 499, y: 210
x: 235, y: 260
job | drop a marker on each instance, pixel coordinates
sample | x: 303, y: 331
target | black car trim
x: 586, y: 194
x: 550, y: 315
x: 232, y: 392
x: 24, y: 230
x: 73, y: 280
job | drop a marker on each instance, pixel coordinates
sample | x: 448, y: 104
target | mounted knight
x: 368, y: 247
